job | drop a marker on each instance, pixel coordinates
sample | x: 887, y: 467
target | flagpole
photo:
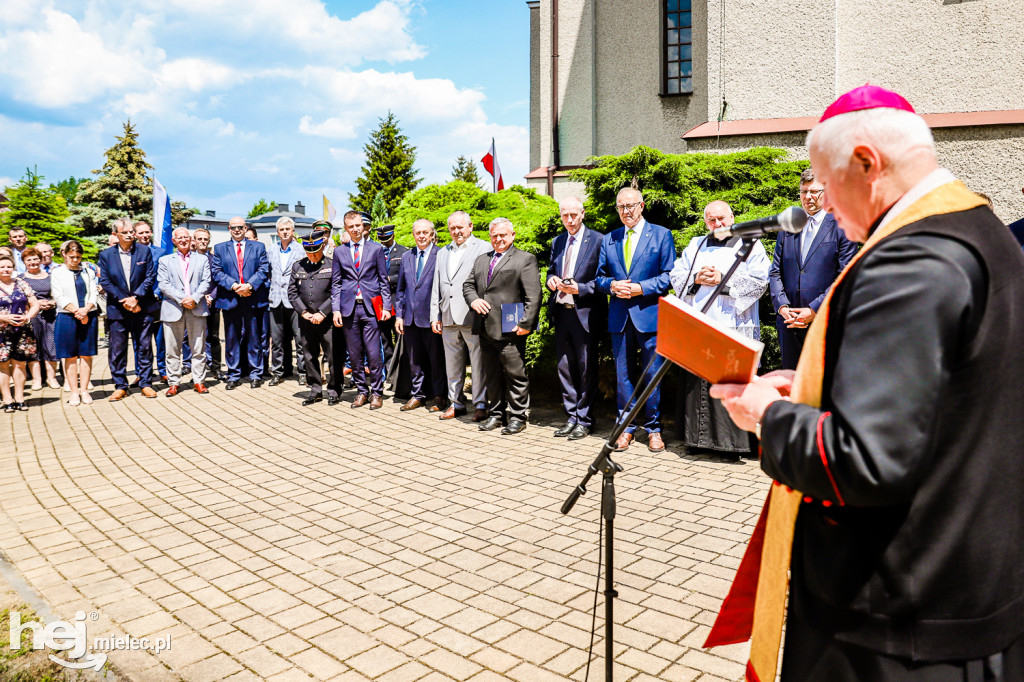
x: 494, y: 164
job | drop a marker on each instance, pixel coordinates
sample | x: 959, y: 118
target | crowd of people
x: 337, y: 315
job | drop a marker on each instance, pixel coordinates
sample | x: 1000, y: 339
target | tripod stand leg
x: 608, y: 512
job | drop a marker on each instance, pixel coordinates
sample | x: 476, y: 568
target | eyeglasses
x: 811, y: 192
x: 628, y: 208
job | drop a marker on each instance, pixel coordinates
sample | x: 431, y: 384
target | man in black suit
x: 504, y: 276
x: 803, y: 268
x: 578, y: 312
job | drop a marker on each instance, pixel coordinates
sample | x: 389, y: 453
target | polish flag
x: 490, y: 162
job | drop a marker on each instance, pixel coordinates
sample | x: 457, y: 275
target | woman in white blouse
x: 74, y: 290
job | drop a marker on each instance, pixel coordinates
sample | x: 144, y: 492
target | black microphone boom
x: 792, y: 220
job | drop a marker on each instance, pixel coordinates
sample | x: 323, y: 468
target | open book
x: 703, y: 346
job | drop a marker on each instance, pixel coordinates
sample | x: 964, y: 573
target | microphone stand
x: 608, y: 468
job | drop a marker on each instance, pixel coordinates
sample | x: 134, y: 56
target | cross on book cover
x: 705, y: 347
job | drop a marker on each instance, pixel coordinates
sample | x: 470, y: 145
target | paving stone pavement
x: 276, y: 542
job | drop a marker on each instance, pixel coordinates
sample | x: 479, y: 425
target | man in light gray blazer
x: 184, y: 279
x: 284, y: 321
x: 451, y: 317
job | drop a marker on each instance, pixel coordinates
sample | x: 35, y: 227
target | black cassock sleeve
x: 916, y: 302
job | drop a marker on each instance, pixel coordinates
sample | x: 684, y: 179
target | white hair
x: 429, y: 223
x: 571, y: 200
x: 284, y: 221
x: 893, y: 132
x: 501, y: 221
x: 174, y: 235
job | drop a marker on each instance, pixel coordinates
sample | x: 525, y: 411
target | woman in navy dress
x: 74, y: 292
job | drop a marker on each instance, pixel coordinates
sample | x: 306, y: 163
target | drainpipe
x: 555, y: 153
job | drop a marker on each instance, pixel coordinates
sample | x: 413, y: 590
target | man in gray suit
x: 502, y: 279
x: 451, y: 318
x: 284, y: 321
x: 184, y: 280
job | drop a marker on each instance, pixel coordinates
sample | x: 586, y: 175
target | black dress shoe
x: 312, y: 399
x: 221, y: 376
x: 490, y: 424
x: 255, y: 383
x: 277, y: 380
x: 565, y: 430
x: 231, y: 385
x: 514, y: 426
x: 333, y: 399
x: 579, y: 431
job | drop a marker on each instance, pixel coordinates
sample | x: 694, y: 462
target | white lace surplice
x: 738, y: 308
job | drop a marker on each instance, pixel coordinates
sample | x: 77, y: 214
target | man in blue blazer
x: 128, y: 275
x: 636, y: 260
x: 412, y: 320
x: 803, y: 268
x: 579, y: 313
x: 241, y: 271
x: 359, y: 274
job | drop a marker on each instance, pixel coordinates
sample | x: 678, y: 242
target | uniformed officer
x: 309, y: 291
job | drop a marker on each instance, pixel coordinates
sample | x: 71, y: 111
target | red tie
x: 359, y: 291
x: 241, y: 277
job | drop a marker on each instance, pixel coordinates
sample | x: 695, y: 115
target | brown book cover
x: 703, y: 346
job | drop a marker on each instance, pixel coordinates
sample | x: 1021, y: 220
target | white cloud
x: 7, y: 182
x: 331, y: 127
x: 56, y: 63
x: 195, y: 74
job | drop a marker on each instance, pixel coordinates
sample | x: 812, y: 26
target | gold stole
x: 763, y: 576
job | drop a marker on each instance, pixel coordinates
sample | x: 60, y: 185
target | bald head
x: 718, y: 214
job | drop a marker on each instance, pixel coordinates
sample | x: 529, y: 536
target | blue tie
x: 419, y: 266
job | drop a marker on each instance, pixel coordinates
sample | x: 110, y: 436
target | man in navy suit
x: 578, y: 312
x: 412, y: 320
x: 241, y: 271
x: 636, y: 260
x: 359, y: 274
x: 144, y: 235
x: 803, y: 268
x: 128, y: 275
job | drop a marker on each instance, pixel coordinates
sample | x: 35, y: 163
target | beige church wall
x: 778, y: 59
x: 630, y: 110
x: 989, y: 160
x: 943, y: 56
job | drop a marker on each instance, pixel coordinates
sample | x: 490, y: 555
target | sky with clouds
x: 235, y: 100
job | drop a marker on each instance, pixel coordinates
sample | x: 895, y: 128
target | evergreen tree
x: 378, y: 211
x: 389, y: 168
x: 181, y: 213
x: 68, y: 188
x: 40, y: 211
x: 260, y: 207
x: 122, y: 188
x: 465, y: 170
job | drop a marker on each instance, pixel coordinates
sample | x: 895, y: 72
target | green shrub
x: 534, y: 216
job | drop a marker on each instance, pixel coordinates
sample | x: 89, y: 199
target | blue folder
x: 511, y: 314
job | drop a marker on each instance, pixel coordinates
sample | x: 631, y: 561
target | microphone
x: 792, y: 220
